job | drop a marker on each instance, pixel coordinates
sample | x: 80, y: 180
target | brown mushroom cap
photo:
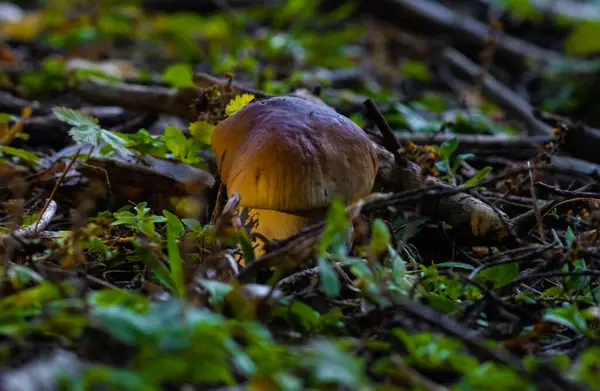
x: 292, y: 155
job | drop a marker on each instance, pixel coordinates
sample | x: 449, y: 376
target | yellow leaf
x: 237, y: 103
x: 7, y: 135
x: 26, y: 28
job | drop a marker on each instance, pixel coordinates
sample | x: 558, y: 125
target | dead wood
x: 496, y: 91
x: 580, y: 140
x: 461, y: 210
x: 522, y: 147
x: 139, y: 97
x: 13, y: 104
x: 462, y: 31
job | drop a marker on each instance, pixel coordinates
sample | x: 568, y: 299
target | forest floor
x: 474, y: 264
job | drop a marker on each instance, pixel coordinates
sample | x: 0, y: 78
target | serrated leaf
x: 237, y: 103
x: 74, y: 117
x: 86, y: 130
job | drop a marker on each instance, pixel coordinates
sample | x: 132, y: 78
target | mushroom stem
x: 277, y: 225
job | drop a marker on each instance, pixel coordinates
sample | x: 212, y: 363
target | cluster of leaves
x: 171, y: 144
x: 219, y: 42
x: 205, y: 347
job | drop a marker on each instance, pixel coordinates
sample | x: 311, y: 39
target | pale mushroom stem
x: 276, y: 225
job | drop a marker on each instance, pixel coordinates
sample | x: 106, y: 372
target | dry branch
x: 13, y: 104
x: 137, y: 97
x: 462, y: 30
x: 581, y: 141
x: 461, y: 210
x: 496, y: 91
x: 509, y: 146
x: 44, y: 220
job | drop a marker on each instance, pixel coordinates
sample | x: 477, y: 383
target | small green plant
x: 448, y: 167
x: 140, y: 222
x: 87, y: 130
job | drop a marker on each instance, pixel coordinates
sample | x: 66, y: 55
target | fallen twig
x: 567, y: 193
x: 459, y: 209
x: 497, y: 92
x: 30, y: 231
x: 462, y: 30
x: 138, y: 97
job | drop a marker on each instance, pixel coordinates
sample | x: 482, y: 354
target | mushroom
x: 288, y: 158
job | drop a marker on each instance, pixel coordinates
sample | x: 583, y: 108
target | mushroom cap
x: 292, y: 155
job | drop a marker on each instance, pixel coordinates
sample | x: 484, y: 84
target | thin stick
x: 391, y: 142
x: 62, y: 177
x: 536, y: 208
x: 45, y: 217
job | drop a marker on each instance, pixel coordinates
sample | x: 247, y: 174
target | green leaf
x: 114, y: 297
x: 443, y: 165
x: 150, y: 258
x: 6, y: 117
x: 380, y: 237
x: 336, y: 229
x: 201, y: 131
x: 459, y: 160
x: 331, y: 364
x: 415, y: 70
x: 179, y: 75
x: 329, y: 278
x: 587, y: 368
x: 478, y: 177
x: 304, y: 315
x: 217, y: 291
x: 458, y: 265
x: 20, y: 153
x: 583, y: 39
x: 576, y: 284
x: 569, y: 237
x: 568, y: 316
x: 174, y: 231
x: 114, y: 378
x: 500, y: 275
x: 448, y: 147
x: 86, y: 130
x: 175, y: 140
